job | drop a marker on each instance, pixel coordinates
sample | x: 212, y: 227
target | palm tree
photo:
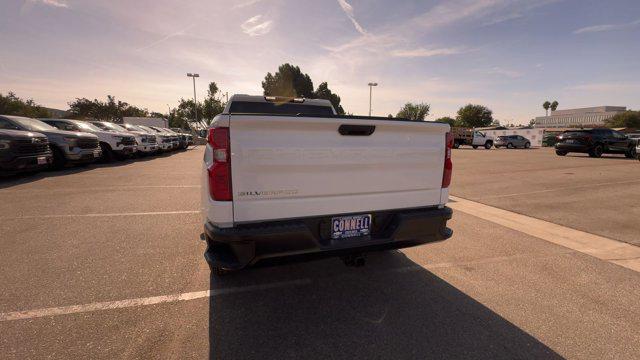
x: 554, y: 105
x: 546, y: 107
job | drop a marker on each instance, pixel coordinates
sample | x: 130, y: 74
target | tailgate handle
x: 356, y: 130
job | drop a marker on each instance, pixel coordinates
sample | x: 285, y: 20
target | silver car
x: 512, y: 141
x: 636, y: 137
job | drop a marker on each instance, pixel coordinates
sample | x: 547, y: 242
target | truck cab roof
x: 257, y: 104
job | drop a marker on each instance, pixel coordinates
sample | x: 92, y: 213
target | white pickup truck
x: 288, y: 177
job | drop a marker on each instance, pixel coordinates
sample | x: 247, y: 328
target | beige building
x: 587, y: 117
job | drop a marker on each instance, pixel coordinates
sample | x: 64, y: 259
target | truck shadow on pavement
x: 390, y: 309
x: 28, y: 177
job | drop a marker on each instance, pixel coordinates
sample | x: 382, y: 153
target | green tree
x: 288, y: 81
x: 11, y: 104
x: 111, y: 110
x: 474, y: 116
x: 183, y: 114
x: 323, y: 92
x: 414, y: 111
x: 532, y: 122
x: 554, y: 105
x: 546, y: 105
x: 629, y: 118
x: 213, y: 104
x: 447, y: 120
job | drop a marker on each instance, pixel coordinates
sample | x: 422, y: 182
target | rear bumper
x: 26, y: 163
x: 244, y: 245
x: 572, y: 147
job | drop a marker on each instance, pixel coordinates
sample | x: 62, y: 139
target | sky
x: 509, y: 55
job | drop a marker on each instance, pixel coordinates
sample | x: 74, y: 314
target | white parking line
x: 119, y: 304
x: 603, y: 248
x: 561, y: 189
x: 53, y: 216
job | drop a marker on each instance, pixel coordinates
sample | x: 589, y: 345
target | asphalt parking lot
x: 106, y: 262
x: 599, y: 196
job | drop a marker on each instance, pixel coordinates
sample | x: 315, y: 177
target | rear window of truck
x: 247, y: 107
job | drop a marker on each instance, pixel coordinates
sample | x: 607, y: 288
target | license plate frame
x: 41, y: 160
x: 96, y: 153
x: 349, y: 226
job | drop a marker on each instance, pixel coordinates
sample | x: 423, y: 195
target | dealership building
x: 587, y: 117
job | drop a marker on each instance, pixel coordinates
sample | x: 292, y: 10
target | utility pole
x: 371, y: 85
x: 195, y: 101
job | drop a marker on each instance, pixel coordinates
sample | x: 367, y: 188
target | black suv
x: 595, y: 142
x: 23, y: 151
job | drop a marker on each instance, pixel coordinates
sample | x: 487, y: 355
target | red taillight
x: 220, y: 170
x: 448, y: 164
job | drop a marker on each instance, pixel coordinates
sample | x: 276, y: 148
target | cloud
x: 56, y: 3
x: 496, y: 11
x: 424, y: 52
x: 52, y: 3
x: 503, y: 18
x: 605, y: 87
x: 167, y: 37
x: 245, y: 4
x: 396, y: 37
x: 505, y: 72
x: 348, y: 9
x: 453, y: 11
x: 254, y: 27
x: 607, y: 27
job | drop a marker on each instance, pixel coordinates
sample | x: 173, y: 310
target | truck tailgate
x: 289, y: 167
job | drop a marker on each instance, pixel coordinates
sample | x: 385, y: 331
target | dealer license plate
x: 350, y: 226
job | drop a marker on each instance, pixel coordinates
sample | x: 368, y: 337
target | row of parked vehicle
x: 28, y: 144
x: 598, y: 141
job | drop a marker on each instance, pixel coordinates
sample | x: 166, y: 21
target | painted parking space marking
x: 613, y: 251
x: 560, y: 189
x: 153, y: 300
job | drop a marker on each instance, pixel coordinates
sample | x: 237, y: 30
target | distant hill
x: 57, y: 113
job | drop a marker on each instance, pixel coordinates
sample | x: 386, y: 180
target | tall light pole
x: 371, y: 85
x: 195, y: 102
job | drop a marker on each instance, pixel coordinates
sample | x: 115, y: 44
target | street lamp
x: 195, y: 102
x: 371, y: 85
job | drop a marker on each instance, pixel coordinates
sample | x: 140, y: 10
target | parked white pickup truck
x: 288, y: 177
x: 114, y: 145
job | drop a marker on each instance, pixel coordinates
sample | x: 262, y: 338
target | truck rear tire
x: 488, y: 145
